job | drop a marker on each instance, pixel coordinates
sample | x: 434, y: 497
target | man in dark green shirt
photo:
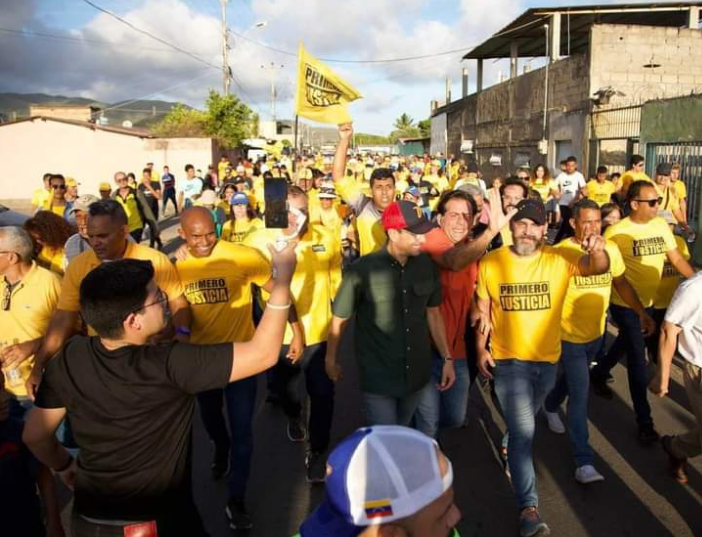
x: 394, y: 294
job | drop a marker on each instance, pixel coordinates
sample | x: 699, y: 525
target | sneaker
x: 599, y: 387
x: 677, y: 466
x: 554, y: 422
x: 239, y: 518
x: 530, y: 523
x: 648, y: 435
x: 316, y: 464
x: 296, y: 430
x: 220, y: 462
x: 587, y: 474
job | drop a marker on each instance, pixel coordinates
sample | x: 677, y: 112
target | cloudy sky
x: 68, y: 47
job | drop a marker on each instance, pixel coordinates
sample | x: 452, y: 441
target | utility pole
x: 273, y: 67
x: 226, y: 70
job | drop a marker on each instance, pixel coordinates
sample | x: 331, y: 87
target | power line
x: 152, y: 36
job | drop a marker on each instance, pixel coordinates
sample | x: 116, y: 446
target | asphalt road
x: 638, y: 498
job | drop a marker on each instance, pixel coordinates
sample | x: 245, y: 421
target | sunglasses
x: 651, y: 203
x: 58, y: 187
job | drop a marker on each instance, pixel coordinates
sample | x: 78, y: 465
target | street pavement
x: 638, y: 498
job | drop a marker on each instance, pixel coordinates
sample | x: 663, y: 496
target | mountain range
x: 142, y: 113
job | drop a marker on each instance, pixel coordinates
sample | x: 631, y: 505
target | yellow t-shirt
x: 644, y: 248
x: 670, y: 200
x: 587, y: 300
x: 164, y: 273
x: 670, y: 279
x: 32, y: 304
x: 218, y: 289
x: 237, y: 232
x: 316, y: 280
x: 59, y: 210
x: 629, y: 177
x: 600, y: 193
x: 680, y: 189
x: 371, y: 234
x: 131, y: 207
x: 41, y: 197
x: 54, y: 260
x: 544, y: 188
x: 527, y: 296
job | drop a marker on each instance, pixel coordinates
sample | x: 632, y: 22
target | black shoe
x: 296, y: 430
x: 316, y: 464
x: 239, y: 518
x: 220, y: 463
x: 648, y: 435
x: 599, y: 387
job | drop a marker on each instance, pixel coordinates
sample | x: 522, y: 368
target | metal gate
x: 689, y: 156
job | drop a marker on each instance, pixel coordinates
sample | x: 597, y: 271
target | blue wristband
x: 182, y: 331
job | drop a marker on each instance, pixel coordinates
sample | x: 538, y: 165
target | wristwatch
x: 448, y: 360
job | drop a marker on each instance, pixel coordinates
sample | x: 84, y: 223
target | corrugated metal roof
x: 527, y: 30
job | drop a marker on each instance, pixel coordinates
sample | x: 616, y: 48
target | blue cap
x: 412, y: 190
x: 239, y: 199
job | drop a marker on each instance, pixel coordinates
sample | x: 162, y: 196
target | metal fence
x: 689, y: 156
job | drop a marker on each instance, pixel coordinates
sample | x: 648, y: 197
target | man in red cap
x: 395, y: 295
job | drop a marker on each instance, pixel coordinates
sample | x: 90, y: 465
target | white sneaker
x: 554, y: 422
x: 587, y: 474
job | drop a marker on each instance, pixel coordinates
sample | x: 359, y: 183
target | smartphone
x: 275, y: 193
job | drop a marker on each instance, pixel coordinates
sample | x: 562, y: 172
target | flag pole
x: 296, y: 126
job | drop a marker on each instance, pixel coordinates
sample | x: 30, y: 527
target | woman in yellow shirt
x: 243, y: 219
x: 49, y: 233
x: 547, y: 188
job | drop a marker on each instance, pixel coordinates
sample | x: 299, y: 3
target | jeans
x: 443, y: 409
x: 169, y: 194
x: 566, y: 230
x: 574, y: 384
x: 521, y: 388
x: 320, y: 388
x: 388, y: 410
x: 631, y: 342
x: 184, y: 520
x: 241, y: 402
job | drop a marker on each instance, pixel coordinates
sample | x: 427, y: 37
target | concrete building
x: 77, y: 112
x: 601, y: 64
x: 89, y: 153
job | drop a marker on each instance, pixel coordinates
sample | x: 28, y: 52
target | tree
x: 404, y: 128
x: 425, y: 127
x: 403, y: 123
x: 182, y: 121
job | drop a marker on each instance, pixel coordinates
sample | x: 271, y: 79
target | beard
x: 526, y: 247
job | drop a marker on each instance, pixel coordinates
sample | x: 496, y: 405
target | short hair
x: 294, y: 191
x: 601, y: 169
x: 514, y: 181
x: 47, y: 176
x: 166, y: 168
x: 189, y: 167
x: 636, y: 187
x: 57, y: 176
x: 380, y: 174
x: 456, y: 195
x: 571, y: 159
x: 471, y: 189
x: 675, y: 166
x: 636, y: 159
x: 16, y: 239
x: 110, y: 292
x: 583, y: 205
x: 615, y: 175
x: 146, y: 170
x: 109, y: 208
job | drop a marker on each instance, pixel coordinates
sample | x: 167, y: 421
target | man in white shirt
x: 571, y: 182
x: 681, y: 334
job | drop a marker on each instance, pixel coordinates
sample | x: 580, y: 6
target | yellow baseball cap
x: 71, y: 182
x: 104, y: 186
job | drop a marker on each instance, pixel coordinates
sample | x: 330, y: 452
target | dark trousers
x: 169, y: 194
x: 320, y: 389
x: 652, y: 341
x: 630, y: 341
x: 240, y: 397
x: 566, y: 230
x: 136, y: 234
x: 183, y: 521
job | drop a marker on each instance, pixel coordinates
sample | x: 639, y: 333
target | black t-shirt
x: 131, y: 413
x: 168, y: 180
x: 154, y: 184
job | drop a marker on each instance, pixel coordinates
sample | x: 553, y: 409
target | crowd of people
x: 445, y: 275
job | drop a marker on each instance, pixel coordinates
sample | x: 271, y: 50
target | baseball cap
x: 239, y: 199
x: 71, y: 182
x: 327, y: 192
x: 406, y: 215
x: 104, y: 186
x: 208, y: 197
x: 533, y: 210
x: 664, y: 169
x: 83, y: 202
x: 377, y: 475
x: 413, y: 190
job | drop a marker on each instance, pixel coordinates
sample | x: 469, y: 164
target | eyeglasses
x: 58, y: 187
x: 651, y: 203
x: 161, y: 298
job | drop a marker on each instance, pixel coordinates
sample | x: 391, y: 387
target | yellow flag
x: 321, y: 93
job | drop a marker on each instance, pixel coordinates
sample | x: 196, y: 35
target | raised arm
x: 339, y: 167
x: 596, y: 260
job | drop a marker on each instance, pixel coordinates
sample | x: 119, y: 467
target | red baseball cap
x: 406, y: 215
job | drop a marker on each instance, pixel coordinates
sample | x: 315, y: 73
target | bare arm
x: 47, y: 491
x: 437, y: 329
x: 297, y: 344
x: 481, y: 337
x: 666, y: 349
x: 336, y: 332
x: 339, y: 166
x: 629, y: 296
x: 597, y: 259
x: 262, y: 351
x: 680, y: 263
x: 40, y: 437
